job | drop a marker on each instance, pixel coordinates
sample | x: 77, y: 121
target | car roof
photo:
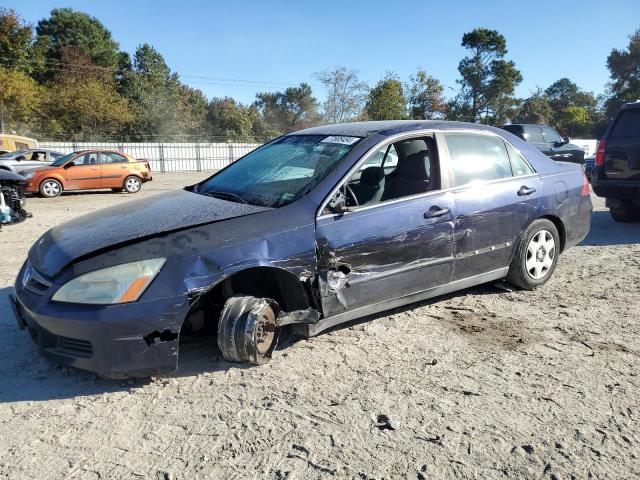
x: 632, y: 105
x: 388, y: 127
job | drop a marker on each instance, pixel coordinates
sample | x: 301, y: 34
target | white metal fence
x: 169, y: 157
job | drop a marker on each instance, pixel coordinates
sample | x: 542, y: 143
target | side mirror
x: 20, y: 158
x: 338, y: 204
x: 69, y: 164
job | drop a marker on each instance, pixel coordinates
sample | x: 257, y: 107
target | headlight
x: 120, y: 284
x: 28, y: 175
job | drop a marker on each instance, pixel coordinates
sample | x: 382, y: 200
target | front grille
x: 34, y: 281
x: 75, y: 347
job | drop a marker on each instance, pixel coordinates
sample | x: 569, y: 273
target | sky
x: 239, y: 48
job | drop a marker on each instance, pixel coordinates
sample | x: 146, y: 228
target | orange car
x: 88, y: 170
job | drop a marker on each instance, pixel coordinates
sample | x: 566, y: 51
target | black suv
x: 547, y: 140
x: 616, y: 175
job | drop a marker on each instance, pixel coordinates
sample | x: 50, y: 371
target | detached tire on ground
x: 536, y: 256
x: 50, y: 188
x: 625, y: 213
x: 132, y: 184
x: 247, y: 329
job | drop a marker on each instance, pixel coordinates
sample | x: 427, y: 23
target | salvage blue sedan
x: 311, y: 230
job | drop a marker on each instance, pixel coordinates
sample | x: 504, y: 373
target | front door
x: 84, y: 173
x: 496, y: 194
x: 391, y: 244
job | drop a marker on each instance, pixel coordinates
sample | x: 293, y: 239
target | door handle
x: 524, y: 191
x: 436, y: 211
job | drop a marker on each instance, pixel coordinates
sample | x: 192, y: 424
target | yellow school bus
x: 11, y: 143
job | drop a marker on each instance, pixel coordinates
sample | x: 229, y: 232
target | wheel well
x: 561, y: 230
x: 50, y: 178
x: 262, y: 282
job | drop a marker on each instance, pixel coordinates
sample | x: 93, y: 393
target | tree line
x: 67, y: 79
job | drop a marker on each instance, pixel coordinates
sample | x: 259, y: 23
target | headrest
x: 414, y: 166
x: 371, y: 176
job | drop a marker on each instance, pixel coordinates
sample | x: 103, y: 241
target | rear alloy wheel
x: 247, y: 330
x: 536, y: 256
x: 132, y: 184
x: 625, y: 213
x: 50, y: 188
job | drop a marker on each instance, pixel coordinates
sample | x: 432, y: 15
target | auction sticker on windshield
x: 340, y: 139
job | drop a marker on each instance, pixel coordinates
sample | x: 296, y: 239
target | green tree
x: 84, y: 104
x: 488, y: 81
x: 425, y: 97
x: 346, y: 94
x: 17, y: 51
x: 293, y: 109
x: 386, y: 101
x: 573, y: 110
x: 154, y: 92
x: 66, y: 28
x: 232, y: 122
x: 535, y: 109
x: 624, y: 69
x: 20, y: 98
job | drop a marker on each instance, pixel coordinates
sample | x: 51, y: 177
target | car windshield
x: 279, y: 172
x: 62, y: 160
x: 17, y: 153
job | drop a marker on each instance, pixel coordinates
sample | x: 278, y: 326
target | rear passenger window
x: 627, y: 124
x: 476, y: 157
x: 113, y: 158
x: 519, y: 165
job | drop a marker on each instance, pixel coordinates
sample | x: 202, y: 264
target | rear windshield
x: 627, y: 124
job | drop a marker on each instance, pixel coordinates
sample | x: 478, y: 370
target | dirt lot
x: 487, y: 383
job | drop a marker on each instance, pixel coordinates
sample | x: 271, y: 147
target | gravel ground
x: 486, y: 383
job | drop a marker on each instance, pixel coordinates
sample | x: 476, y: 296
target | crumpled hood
x: 129, y: 221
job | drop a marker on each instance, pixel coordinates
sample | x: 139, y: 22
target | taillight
x: 585, y: 186
x: 600, y: 153
x: 148, y: 166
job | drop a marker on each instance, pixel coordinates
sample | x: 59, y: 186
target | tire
x: 50, y: 188
x: 626, y: 213
x: 247, y: 330
x: 132, y: 184
x: 536, y: 256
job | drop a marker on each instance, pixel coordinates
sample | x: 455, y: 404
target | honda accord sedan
x: 309, y: 231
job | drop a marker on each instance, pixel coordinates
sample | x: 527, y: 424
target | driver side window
x: 397, y: 170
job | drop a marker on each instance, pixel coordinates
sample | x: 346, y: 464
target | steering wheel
x: 352, y: 195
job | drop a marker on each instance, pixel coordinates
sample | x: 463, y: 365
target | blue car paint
x: 336, y: 267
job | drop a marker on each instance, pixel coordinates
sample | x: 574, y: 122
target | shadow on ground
x: 605, y: 231
x: 27, y: 376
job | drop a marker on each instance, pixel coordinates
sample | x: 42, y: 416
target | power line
x: 198, y: 79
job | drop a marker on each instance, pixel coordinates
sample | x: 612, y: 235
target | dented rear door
x: 384, y: 251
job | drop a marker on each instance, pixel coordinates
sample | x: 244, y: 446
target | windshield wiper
x: 226, y: 196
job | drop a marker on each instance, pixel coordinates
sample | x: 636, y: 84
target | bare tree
x: 346, y: 94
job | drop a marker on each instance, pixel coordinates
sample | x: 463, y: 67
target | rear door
x: 496, y: 192
x: 84, y: 173
x: 622, y: 155
x: 114, y: 168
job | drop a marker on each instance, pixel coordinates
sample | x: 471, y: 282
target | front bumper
x: 136, y: 339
